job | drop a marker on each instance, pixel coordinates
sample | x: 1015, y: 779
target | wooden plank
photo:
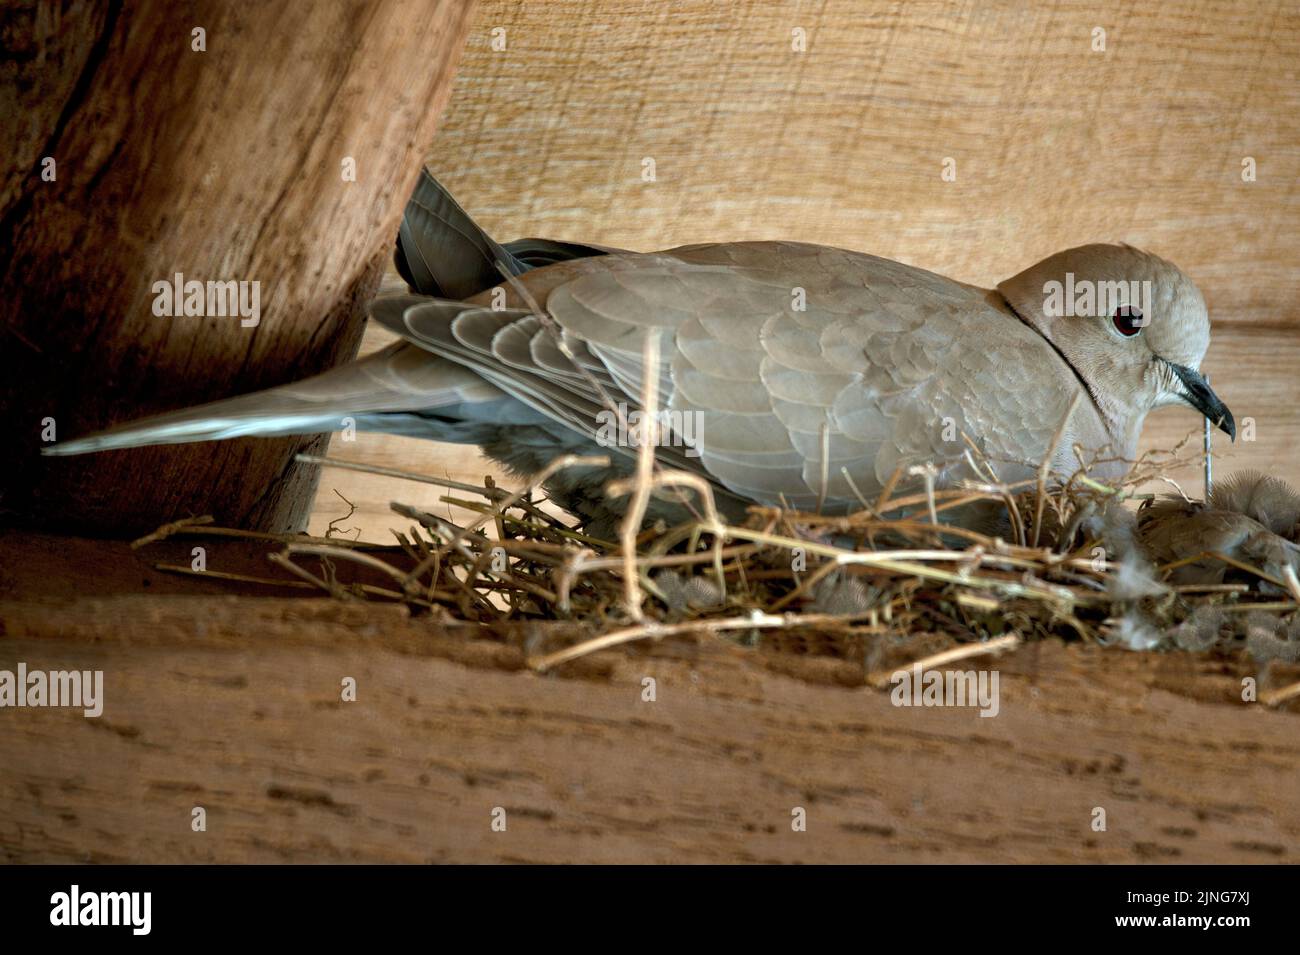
x: 1056, y: 145
x: 233, y: 705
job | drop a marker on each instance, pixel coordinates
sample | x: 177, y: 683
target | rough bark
x: 222, y: 164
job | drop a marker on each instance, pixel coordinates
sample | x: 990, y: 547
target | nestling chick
x: 1242, y: 521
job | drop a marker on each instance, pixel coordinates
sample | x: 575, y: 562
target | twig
x: 655, y: 631
x: 647, y: 441
x: 167, y: 530
x: 964, y: 652
x: 1279, y: 696
x: 559, y: 464
x: 1046, y: 464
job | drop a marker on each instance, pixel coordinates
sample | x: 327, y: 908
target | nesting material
x: 1078, y: 561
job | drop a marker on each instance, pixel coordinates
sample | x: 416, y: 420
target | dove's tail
x: 401, y: 389
x: 442, y: 252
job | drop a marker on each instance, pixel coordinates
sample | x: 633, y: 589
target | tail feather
x: 442, y: 251
x: 536, y: 253
x: 402, y: 380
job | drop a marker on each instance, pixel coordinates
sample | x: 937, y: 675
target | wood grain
x: 1056, y: 145
x: 223, y: 164
x: 227, y: 697
x: 233, y: 704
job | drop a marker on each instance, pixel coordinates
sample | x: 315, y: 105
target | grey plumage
x: 806, y: 374
x: 442, y: 252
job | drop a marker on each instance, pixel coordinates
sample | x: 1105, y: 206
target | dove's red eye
x: 1128, y: 320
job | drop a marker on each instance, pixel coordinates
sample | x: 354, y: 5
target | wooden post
x: 273, y: 143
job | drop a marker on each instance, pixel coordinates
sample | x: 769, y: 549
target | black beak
x: 1198, y: 394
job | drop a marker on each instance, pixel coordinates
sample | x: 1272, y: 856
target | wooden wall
x: 1055, y: 145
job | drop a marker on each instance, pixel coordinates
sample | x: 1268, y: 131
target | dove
x: 792, y: 374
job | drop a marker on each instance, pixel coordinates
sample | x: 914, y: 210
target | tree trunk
x: 223, y: 156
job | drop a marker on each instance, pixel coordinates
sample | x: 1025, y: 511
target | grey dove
x: 791, y: 373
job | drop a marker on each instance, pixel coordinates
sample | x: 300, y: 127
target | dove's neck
x: 1123, y: 424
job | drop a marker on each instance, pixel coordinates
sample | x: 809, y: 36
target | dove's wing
x: 510, y: 349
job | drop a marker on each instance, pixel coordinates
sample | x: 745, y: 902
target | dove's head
x: 1131, y: 325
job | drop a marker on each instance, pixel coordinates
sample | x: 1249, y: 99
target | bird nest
x: 1079, y: 560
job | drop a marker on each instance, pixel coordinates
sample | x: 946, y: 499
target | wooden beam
x: 217, y: 141
x: 233, y: 704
